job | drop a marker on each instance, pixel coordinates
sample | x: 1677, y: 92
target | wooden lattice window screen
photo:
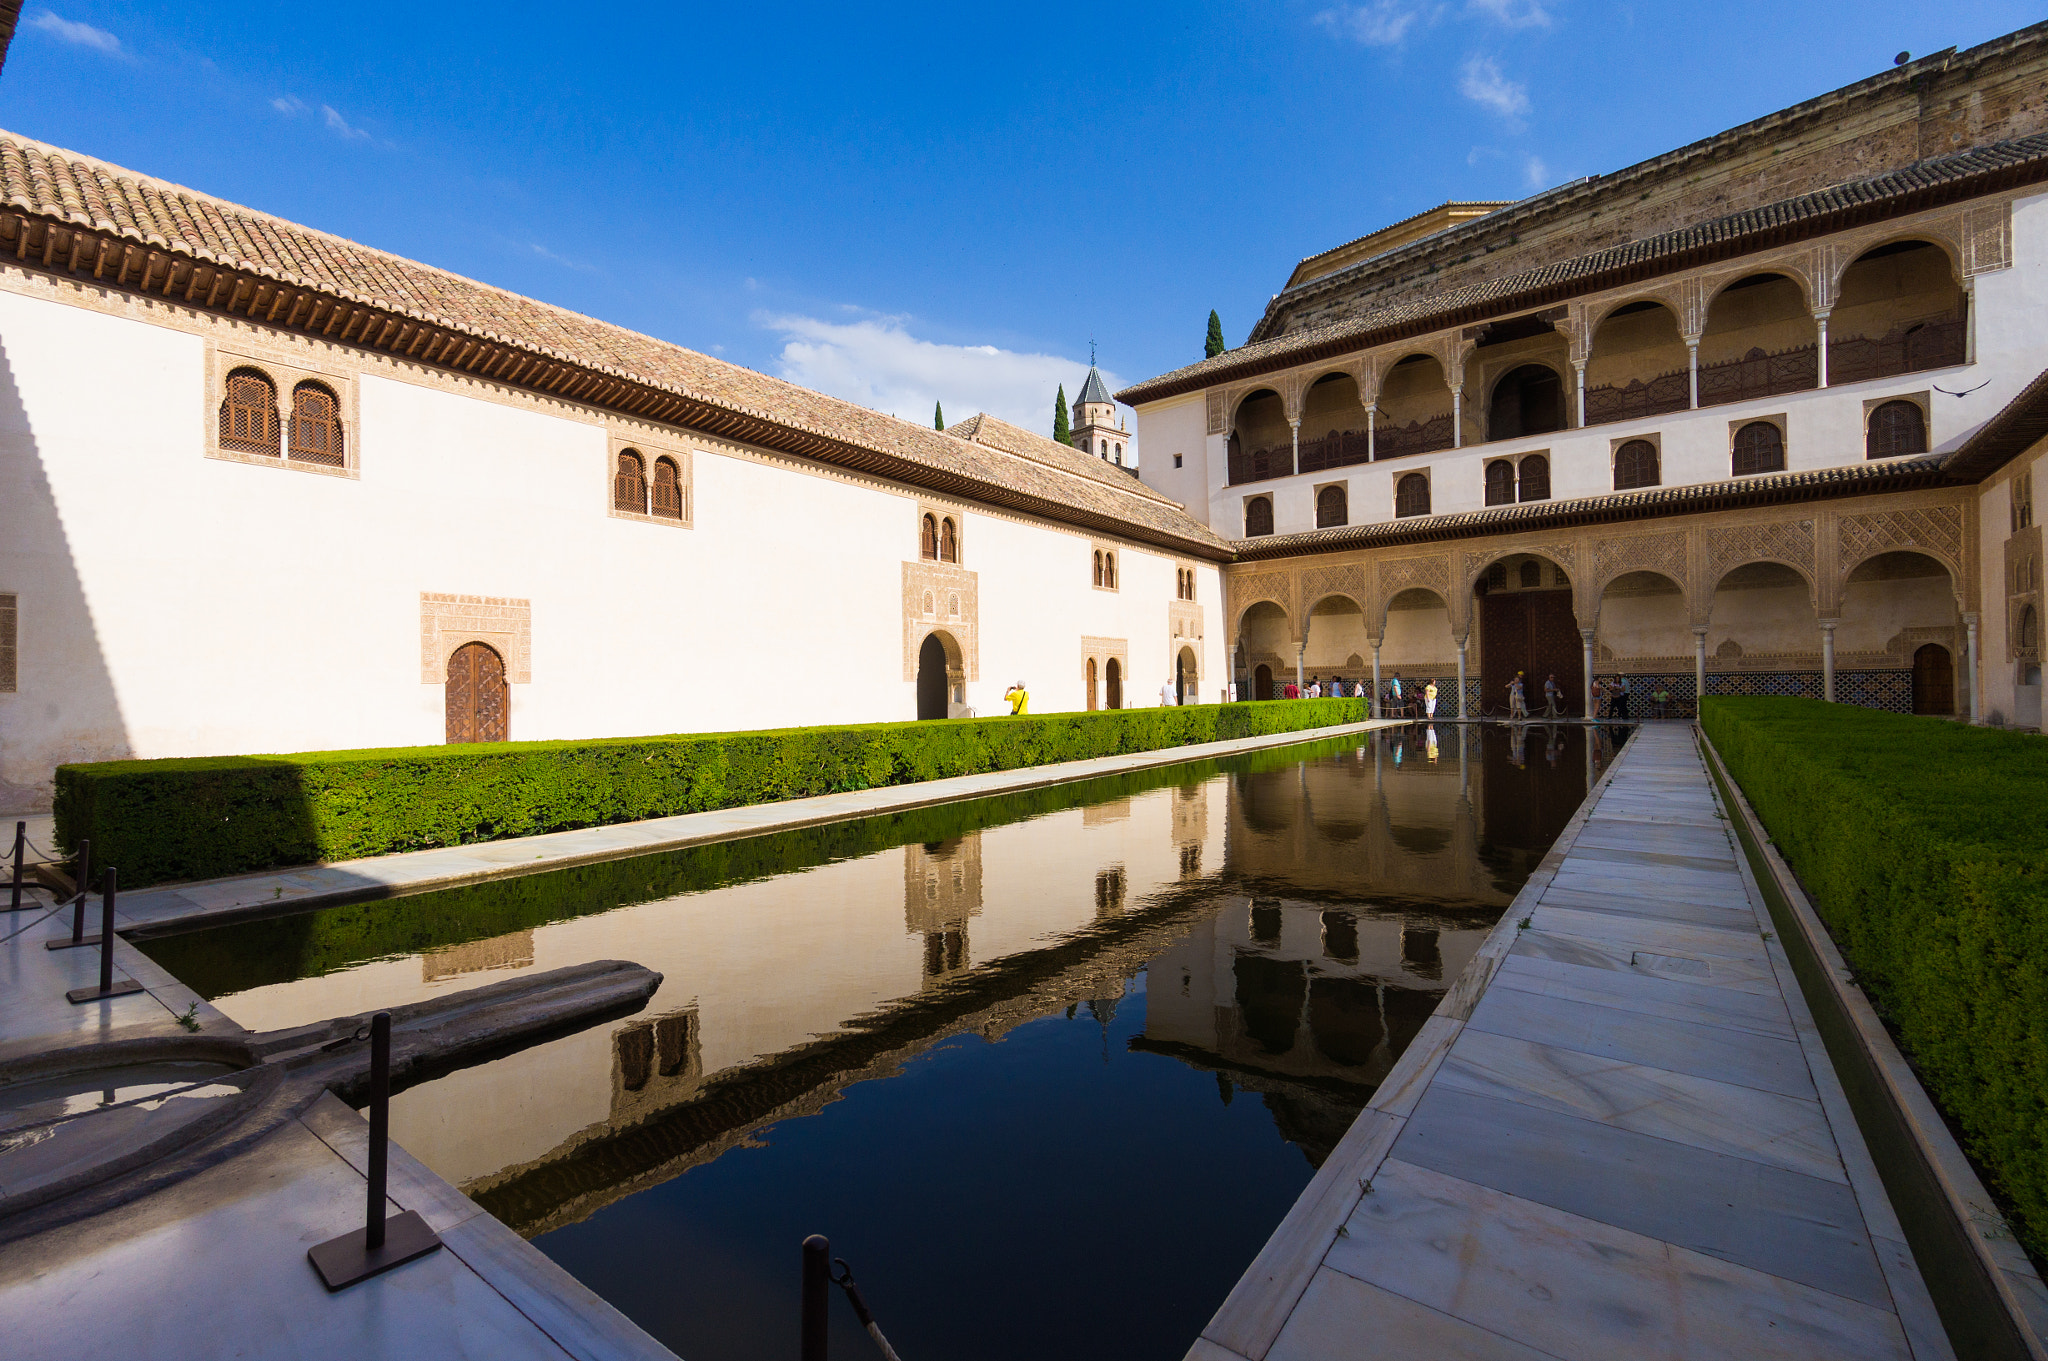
x: 1535, y: 478
x: 1635, y: 465
x: 1098, y: 567
x: 668, y: 489
x: 1258, y: 517
x: 248, y: 414
x: 316, y: 426
x: 949, y: 541
x: 1411, y: 496
x: 10, y: 616
x: 1332, y: 508
x: 1896, y: 429
x: 479, y: 701
x: 1500, y: 483
x: 1109, y: 570
x: 629, y: 484
x: 928, y: 539
x: 1759, y: 448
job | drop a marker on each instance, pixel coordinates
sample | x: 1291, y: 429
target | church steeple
x: 1097, y: 428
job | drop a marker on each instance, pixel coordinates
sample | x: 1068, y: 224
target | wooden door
x: 1262, y: 682
x: 479, y: 701
x: 1113, y: 681
x: 1536, y: 633
x: 1934, y: 681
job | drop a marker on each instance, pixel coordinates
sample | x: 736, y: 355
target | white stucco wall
x: 172, y: 604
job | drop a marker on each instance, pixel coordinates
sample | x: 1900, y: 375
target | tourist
x: 1020, y: 700
x: 1553, y: 696
x: 1291, y: 690
x: 1660, y: 701
x: 1599, y: 699
x: 1166, y: 697
x: 1429, y: 706
x: 1400, y: 703
x: 1620, y: 689
x: 1336, y: 687
x: 1518, y: 701
x: 1315, y: 688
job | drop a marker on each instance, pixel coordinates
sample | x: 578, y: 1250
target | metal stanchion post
x: 78, y: 903
x: 20, y: 844
x: 382, y: 1243
x: 109, y: 986
x: 817, y: 1296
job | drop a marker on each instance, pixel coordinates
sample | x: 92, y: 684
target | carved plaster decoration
x: 1215, y: 402
x: 1317, y: 583
x: 1184, y: 623
x: 501, y: 623
x: 1987, y: 238
x: 939, y: 597
x: 1934, y: 530
x: 1247, y: 591
x: 1661, y: 553
x: 1790, y: 542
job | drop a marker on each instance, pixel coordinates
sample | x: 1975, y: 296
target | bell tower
x: 1098, y: 430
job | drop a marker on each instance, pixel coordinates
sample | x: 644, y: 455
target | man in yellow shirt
x: 1020, y: 699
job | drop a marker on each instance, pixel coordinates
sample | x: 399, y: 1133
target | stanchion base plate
x: 342, y: 1262
x: 122, y: 987
x: 66, y: 943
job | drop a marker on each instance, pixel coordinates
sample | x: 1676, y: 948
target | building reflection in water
x: 1296, y: 923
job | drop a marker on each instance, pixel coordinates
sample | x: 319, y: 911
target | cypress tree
x: 1214, y: 345
x: 938, y: 415
x: 1061, y: 430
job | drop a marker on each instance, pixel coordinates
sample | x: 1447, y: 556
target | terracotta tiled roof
x: 51, y: 184
x: 1820, y: 484
x: 1941, y: 179
x: 983, y: 428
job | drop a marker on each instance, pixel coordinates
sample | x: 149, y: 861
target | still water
x: 1047, y: 1068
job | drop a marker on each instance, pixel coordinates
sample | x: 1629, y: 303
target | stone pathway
x: 188, y: 906
x: 1619, y: 1136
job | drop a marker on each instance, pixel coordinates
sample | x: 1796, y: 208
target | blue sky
x: 900, y: 203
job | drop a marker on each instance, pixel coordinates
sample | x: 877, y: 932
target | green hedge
x: 1924, y: 844
x: 204, y: 817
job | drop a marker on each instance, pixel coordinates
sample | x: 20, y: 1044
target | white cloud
x: 339, y: 125
x: 878, y: 363
x: 288, y: 106
x: 1512, y: 13
x: 563, y: 260
x: 77, y: 34
x: 1537, y: 172
x: 1376, y: 23
x: 1483, y: 83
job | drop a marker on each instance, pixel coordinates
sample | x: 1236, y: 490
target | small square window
x: 1176, y: 460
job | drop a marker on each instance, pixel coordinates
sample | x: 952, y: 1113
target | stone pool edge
x: 1258, y: 1306
x: 213, y: 902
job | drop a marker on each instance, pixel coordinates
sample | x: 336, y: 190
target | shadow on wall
x: 64, y: 707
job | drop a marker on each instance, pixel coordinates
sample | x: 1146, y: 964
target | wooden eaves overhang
x: 1769, y: 489
x: 1927, y: 184
x: 144, y: 263
x: 2019, y: 426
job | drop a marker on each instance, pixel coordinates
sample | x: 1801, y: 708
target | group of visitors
x: 1610, y: 698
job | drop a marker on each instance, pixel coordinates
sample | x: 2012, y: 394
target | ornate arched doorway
x: 931, y: 678
x: 1113, y: 683
x: 1094, y: 700
x: 1262, y: 682
x: 1186, y: 681
x: 1526, y: 624
x: 479, y: 702
x: 1934, y: 680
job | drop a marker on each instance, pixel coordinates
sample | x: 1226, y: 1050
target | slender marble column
x: 1699, y: 668
x: 1375, y: 710
x: 1299, y: 648
x: 1295, y: 426
x: 1827, y: 659
x: 1976, y: 715
x: 1461, y: 686
x: 1692, y: 364
x: 1821, y: 318
x: 1579, y: 366
x: 1586, y: 680
x: 1457, y: 419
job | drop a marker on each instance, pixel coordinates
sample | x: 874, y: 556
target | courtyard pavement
x: 1619, y: 1136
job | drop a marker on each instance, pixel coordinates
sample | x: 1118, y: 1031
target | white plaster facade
x: 170, y: 603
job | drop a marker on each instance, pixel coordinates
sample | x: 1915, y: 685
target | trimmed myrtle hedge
x: 203, y: 817
x: 1924, y: 845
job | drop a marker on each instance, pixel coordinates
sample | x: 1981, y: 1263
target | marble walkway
x: 185, y: 907
x: 1619, y: 1136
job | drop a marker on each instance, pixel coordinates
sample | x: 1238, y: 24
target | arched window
x: 316, y: 425
x: 248, y: 414
x: 1759, y: 448
x: 1635, y: 465
x: 1500, y: 483
x: 928, y: 539
x: 668, y: 489
x: 949, y: 541
x: 1497, y: 576
x: 1258, y: 517
x: 1411, y: 495
x: 1535, y: 478
x: 1531, y: 574
x: 1896, y: 428
x: 2026, y: 637
x: 1098, y: 567
x: 1109, y: 570
x: 1332, y: 507
x: 629, y: 486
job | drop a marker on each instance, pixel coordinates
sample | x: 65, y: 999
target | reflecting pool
x: 1047, y: 1068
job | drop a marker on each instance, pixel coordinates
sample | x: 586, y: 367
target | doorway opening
x: 1113, y: 682
x: 1934, y: 680
x: 931, y: 678
x: 479, y: 702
